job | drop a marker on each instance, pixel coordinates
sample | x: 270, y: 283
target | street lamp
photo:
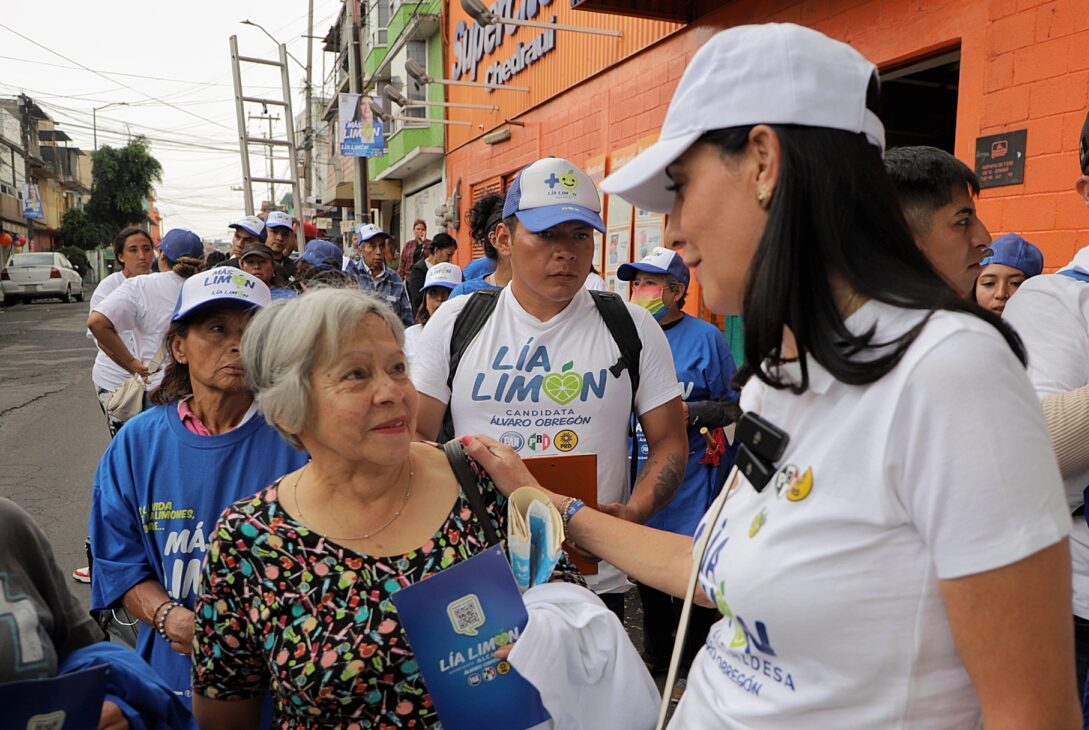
x: 94, y: 117
x: 418, y: 72
x: 484, y: 17
x: 262, y: 29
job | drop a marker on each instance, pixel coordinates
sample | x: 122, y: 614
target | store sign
x: 472, y: 43
x: 1000, y: 158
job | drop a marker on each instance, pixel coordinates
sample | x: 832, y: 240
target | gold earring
x: 763, y: 195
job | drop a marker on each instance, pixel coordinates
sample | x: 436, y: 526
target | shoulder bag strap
x: 469, y: 322
x: 459, y: 462
x: 698, y: 549
x: 157, y: 360
x: 622, y: 328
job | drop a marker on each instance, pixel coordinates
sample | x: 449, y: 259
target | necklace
x: 372, y: 533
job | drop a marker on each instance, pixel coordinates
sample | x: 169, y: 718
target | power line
x: 224, y: 84
x: 102, y: 75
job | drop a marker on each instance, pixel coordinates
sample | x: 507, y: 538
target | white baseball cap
x: 553, y: 191
x: 658, y: 261
x: 279, y: 219
x: 252, y: 225
x: 444, y: 274
x: 777, y: 73
x: 223, y: 287
x: 369, y: 231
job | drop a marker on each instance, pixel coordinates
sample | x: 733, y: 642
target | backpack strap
x: 1074, y: 274
x: 459, y: 462
x: 622, y: 328
x: 469, y: 322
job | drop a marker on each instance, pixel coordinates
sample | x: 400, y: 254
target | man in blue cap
x: 704, y: 368
x: 544, y: 372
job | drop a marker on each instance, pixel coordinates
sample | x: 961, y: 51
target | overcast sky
x: 187, y: 110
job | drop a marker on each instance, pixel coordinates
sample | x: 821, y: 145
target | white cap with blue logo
x: 553, y: 191
x: 223, y: 287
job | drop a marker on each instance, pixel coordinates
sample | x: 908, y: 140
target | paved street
x: 51, y: 428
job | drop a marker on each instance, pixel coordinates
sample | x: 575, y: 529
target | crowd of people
x: 877, y: 521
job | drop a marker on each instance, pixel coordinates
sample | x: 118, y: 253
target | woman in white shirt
x: 906, y: 565
x: 134, y: 252
x: 142, y: 306
x: 441, y: 279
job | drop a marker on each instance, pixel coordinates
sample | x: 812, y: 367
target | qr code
x: 466, y: 615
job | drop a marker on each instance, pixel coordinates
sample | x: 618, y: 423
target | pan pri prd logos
x: 526, y: 374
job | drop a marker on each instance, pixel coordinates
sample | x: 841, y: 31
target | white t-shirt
x: 595, y: 283
x: 545, y: 389
x: 143, y: 306
x: 412, y: 337
x: 832, y: 612
x: 105, y: 373
x: 1051, y: 314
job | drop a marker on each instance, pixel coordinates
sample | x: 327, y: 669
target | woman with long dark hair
x: 904, y: 564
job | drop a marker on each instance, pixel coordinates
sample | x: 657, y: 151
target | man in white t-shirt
x: 1051, y: 314
x: 537, y: 376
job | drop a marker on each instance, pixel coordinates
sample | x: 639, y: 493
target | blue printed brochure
x: 454, y: 621
x: 66, y: 702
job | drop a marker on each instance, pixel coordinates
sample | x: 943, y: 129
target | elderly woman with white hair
x: 299, y: 577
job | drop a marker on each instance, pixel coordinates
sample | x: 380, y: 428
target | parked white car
x: 39, y: 275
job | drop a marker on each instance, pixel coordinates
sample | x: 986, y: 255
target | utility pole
x: 24, y: 124
x: 307, y: 191
x: 355, y: 85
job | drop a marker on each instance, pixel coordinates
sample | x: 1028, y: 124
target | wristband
x: 571, y: 509
x: 161, y: 624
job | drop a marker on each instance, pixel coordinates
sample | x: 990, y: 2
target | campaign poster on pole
x: 32, y: 202
x: 595, y: 168
x: 618, y: 227
x: 361, y: 131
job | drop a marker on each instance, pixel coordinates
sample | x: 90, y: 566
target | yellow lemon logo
x: 569, y: 180
x: 758, y: 522
x: 801, y: 488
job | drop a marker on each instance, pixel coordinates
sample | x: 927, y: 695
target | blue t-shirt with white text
x: 158, y: 492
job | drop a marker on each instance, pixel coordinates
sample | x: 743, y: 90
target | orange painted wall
x: 1024, y: 64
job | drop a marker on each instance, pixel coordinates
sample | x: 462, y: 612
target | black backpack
x: 612, y: 309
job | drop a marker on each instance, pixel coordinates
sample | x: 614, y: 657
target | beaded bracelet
x: 571, y: 508
x: 161, y: 624
x: 155, y: 613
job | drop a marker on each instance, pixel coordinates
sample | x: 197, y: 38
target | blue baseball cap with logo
x: 552, y: 191
x: 319, y: 251
x: 223, y: 287
x: 180, y: 242
x: 1014, y: 251
x: 658, y: 261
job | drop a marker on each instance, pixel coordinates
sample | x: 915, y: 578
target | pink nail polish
x: 466, y: 440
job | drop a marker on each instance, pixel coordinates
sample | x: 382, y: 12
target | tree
x: 122, y: 178
x: 78, y: 259
x: 77, y: 229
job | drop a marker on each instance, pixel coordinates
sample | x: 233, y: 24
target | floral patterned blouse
x: 285, y: 609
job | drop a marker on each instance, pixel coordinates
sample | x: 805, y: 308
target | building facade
x: 999, y: 76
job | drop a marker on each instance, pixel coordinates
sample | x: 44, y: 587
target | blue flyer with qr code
x: 454, y: 622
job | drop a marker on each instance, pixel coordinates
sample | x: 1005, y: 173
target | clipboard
x: 573, y: 475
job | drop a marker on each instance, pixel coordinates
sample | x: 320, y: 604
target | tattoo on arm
x: 669, y: 479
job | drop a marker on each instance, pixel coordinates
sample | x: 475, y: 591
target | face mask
x: 650, y: 299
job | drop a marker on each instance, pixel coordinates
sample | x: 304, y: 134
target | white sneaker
x: 82, y: 575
